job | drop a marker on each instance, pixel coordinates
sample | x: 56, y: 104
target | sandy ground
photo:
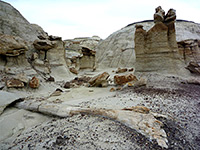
x: 168, y: 95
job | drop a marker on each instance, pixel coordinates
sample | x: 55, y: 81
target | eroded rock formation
x: 161, y: 37
x: 50, y: 58
x: 80, y: 52
x: 157, y: 49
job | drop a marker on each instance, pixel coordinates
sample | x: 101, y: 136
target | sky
x: 85, y: 18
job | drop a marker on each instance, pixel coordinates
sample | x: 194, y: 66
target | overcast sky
x: 85, y: 18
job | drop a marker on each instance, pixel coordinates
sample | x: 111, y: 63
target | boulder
x: 123, y: 79
x: 34, y: 83
x: 78, y: 81
x: 67, y: 85
x: 100, y: 80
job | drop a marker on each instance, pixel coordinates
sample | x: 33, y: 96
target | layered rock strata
x: 156, y: 49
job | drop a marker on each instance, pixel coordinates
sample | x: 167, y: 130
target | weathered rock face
x: 13, y: 23
x: 12, y: 50
x: 118, y: 50
x: 80, y: 52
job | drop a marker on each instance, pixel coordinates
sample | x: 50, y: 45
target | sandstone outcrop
x: 80, y: 52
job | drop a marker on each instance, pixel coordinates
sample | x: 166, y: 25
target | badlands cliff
x: 137, y: 89
x: 118, y: 50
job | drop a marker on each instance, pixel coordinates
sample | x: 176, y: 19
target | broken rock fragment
x: 73, y: 70
x: 121, y: 70
x: 139, y: 109
x: 14, y: 83
x: 121, y: 80
x: 34, y: 83
x: 100, y: 80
